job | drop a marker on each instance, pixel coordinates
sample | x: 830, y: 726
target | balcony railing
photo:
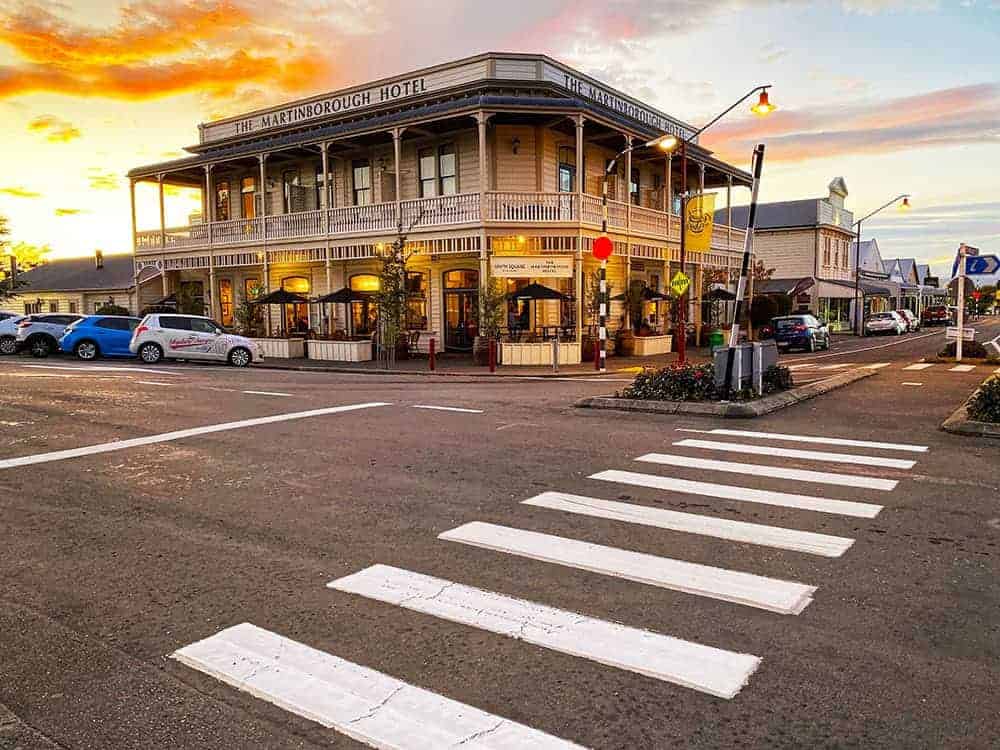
x: 500, y: 207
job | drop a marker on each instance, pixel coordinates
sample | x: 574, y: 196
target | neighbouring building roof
x: 797, y: 214
x: 871, y: 258
x: 79, y: 274
x: 902, y: 270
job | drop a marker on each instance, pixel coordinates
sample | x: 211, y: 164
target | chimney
x: 99, y: 258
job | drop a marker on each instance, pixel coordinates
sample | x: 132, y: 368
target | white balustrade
x: 649, y: 221
x: 291, y: 226
x: 531, y: 207
x: 442, y: 210
x: 376, y: 217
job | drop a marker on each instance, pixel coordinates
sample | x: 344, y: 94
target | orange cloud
x: 160, y: 49
x: 102, y: 180
x: 68, y: 211
x: 20, y: 192
x: 56, y: 130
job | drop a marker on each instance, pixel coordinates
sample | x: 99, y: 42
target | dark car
x: 99, y: 336
x: 801, y: 332
x: 938, y: 315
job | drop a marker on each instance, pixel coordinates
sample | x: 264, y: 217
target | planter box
x: 282, y: 348
x: 340, y: 351
x: 539, y: 354
x: 647, y: 346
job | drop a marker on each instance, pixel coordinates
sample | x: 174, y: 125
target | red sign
x: 976, y: 296
x: 603, y: 247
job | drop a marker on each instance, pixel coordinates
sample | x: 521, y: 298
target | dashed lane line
x: 103, y: 368
x: 164, y: 437
x: 910, y: 384
x: 711, y: 670
x: 368, y: 706
x: 447, y: 408
x: 267, y: 393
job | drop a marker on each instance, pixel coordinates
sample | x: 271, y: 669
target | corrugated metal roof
x: 786, y: 214
x: 79, y: 274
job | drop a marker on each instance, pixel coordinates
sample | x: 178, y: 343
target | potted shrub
x: 493, y: 314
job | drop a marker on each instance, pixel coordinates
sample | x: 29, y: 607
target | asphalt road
x: 114, y: 560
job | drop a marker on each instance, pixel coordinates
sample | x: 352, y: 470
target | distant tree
x: 110, y: 308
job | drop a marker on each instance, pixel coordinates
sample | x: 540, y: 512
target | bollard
x: 597, y: 354
x: 555, y: 353
x: 493, y: 355
x: 430, y: 354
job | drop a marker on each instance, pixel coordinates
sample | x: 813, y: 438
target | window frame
x: 364, y: 166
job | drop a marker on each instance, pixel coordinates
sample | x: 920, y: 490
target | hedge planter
x: 340, y: 351
x: 282, y: 348
x: 650, y: 346
x: 539, y: 354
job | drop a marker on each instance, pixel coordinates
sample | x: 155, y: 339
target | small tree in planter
x: 391, y: 297
x: 493, y: 316
x: 592, y: 308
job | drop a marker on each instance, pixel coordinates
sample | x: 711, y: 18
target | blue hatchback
x: 99, y: 336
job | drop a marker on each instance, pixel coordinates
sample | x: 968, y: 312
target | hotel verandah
x: 498, y: 154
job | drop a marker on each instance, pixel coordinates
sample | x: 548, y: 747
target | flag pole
x: 734, y: 331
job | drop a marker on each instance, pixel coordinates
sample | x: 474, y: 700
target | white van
x: 190, y: 337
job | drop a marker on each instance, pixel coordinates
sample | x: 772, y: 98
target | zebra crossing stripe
x: 770, y: 450
x: 777, y: 472
x: 836, y: 367
x: 693, y: 665
x: 962, y: 368
x: 721, y: 528
x: 772, y: 594
x: 367, y: 706
x: 821, y: 439
x: 877, y: 366
x: 741, y: 494
x: 919, y: 366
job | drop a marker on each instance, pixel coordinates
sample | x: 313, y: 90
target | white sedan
x: 191, y: 337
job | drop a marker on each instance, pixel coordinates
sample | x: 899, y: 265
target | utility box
x: 749, y: 363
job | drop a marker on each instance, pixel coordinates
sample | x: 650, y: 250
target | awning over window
x: 785, y: 286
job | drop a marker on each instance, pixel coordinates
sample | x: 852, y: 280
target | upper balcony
x: 501, y: 209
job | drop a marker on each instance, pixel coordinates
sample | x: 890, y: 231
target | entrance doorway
x: 461, y: 309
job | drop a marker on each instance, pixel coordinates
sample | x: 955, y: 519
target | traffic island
x: 729, y: 409
x: 980, y: 415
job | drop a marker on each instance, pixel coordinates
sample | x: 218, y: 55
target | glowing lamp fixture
x: 905, y: 205
x: 763, y: 106
x: 666, y: 143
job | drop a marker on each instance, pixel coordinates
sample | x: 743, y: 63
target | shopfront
x: 461, y: 305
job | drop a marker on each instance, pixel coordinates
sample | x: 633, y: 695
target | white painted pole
x: 960, y: 316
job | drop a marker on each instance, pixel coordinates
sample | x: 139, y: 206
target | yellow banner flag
x: 698, y: 231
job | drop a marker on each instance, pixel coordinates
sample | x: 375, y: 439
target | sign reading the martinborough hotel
x: 442, y: 78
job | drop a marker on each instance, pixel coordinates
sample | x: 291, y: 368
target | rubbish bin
x: 716, y: 339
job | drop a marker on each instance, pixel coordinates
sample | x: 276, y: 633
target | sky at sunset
x: 893, y: 95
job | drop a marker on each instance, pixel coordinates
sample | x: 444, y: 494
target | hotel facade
x: 493, y: 164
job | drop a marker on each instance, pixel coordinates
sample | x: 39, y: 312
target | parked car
x: 911, y: 320
x: 6, y: 314
x: 801, y: 331
x: 935, y: 315
x: 194, y: 337
x: 8, y: 333
x: 885, y: 322
x: 99, y: 336
x: 40, y: 333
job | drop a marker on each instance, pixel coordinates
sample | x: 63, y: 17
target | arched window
x: 296, y: 316
x: 365, y: 282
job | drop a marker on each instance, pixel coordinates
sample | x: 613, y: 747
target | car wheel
x: 240, y: 357
x: 86, y: 350
x: 150, y: 353
x: 811, y: 347
x: 40, y: 347
x: 8, y: 345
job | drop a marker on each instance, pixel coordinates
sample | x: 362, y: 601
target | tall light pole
x: 859, y: 329
x: 763, y: 107
x: 603, y: 246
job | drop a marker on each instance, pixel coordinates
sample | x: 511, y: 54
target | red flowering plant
x: 677, y: 382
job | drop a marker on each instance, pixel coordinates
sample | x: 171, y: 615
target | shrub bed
x: 971, y: 349
x: 695, y: 383
x: 985, y: 404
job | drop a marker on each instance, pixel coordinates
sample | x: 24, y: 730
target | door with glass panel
x: 461, y: 309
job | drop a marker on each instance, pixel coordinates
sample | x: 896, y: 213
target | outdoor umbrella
x: 720, y: 295
x: 534, y: 293
x: 344, y: 297
x: 281, y: 297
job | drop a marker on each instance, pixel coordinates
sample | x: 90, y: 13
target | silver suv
x: 40, y: 333
x: 8, y: 332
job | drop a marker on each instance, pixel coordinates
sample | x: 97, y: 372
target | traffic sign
x: 968, y: 334
x: 981, y: 265
x: 679, y: 284
x: 603, y: 247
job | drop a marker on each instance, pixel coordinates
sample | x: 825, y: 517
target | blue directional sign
x: 982, y: 265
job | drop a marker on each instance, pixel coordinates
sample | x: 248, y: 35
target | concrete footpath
x: 464, y: 366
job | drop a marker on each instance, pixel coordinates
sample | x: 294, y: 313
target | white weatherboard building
x: 497, y: 158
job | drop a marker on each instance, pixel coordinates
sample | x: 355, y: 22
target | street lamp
x: 763, y: 107
x: 859, y: 329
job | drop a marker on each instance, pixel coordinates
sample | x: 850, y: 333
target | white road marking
x: 164, y: 437
x: 877, y: 366
x: 778, y: 472
x: 267, y: 393
x: 962, y: 368
x: 897, y: 342
x: 798, y: 367
x: 153, y: 382
x: 835, y: 367
x: 742, y: 494
x: 772, y: 594
x: 770, y: 450
x: 578, y: 379
x: 368, y: 706
x: 691, y: 523
x: 908, y: 383
x: 693, y: 665
x: 823, y: 440
x: 103, y: 368
x: 919, y: 366
x: 447, y: 408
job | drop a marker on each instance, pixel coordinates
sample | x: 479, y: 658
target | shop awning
x: 536, y: 291
x: 343, y: 296
x: 281, y: 297
x: 835, y: 288
x: 789, y: 287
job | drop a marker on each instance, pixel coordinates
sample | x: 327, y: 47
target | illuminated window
x: 222, y: 201
x: 365, y: 282
x: 226, y: 301
x: 248, y: 190
x: 461, y: 280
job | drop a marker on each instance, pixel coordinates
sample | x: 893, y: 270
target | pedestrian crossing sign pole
x: 679, y: 283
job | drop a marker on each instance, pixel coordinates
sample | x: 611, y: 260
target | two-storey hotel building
x: 495, y: 160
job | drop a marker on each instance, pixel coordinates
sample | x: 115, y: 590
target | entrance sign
x: 968, y: 334
x: 531, y: 266
x: 700, y: 211
x: 679, y: 284
x: 981, y: 265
